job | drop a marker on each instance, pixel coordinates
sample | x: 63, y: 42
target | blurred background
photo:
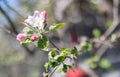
x: 92, y: 20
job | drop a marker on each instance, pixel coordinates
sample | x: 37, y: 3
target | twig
x: 115, y: 19
x: 115, y: 23
x: 14, y: 31
x: 54, y: 44
x: 9, y: 20
x: 6, y: 3
x: 51, y: 73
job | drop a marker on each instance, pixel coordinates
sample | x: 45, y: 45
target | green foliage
x: 43, y: 43
x: 96, y: 33
x: 94, y: 5
x: 27, y: 41
x: 59, y: 58
x: 105, y: 64
x: 64, y: 68
x: 64, y: 51
x: 74, y: 51
x: 27, y: 30
x: 52, y: 53
x: 95, y: 62
x: 86, y: 46
x: 46, y: 66
x: 108, y: 23
x: 56, y: 26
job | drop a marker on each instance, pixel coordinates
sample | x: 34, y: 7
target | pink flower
x: 37, y: 20
x: 21, y: 37
x: 33, y: 38
x: 44, y: 14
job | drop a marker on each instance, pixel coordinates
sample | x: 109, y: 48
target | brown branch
x: 9, y: 20
x: 6, y: 3
x: 14, y: 31
x: 115, y: 23
x: 54, y: 44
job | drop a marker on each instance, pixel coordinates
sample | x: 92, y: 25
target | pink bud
x: 33, y: 38
x: 21, y: 37
x: 44, y: 14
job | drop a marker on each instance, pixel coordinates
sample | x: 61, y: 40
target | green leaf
x: 105, y: 63
x: 46, y: 65
x: 93, y: 65
x: 64, y: 51
x: 96, y: 33
x: 86, y: 46
x: 74, y: 51
x: 59, y: 58
x: 52, y: 53
x: 56, y: 26
x: 66, y: 67
x: 53, y: 63
x: 27, y: 30
x: 43, y: 43
x: 27, y: 41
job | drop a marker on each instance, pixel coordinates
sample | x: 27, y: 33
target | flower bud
x: 44, y: 14
x: 21, y: 37
x: 33, y: 38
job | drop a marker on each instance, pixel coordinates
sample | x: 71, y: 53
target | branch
x: 115, y: 23
x: 9, y: 20
x: 14, y: 31
x: 6, y: 3
x: 115, y: 19
x: 51, y: 73
x: 54, y: 44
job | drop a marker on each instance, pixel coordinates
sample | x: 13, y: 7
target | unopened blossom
x: 21, y: 37
x: 37, y: 20
x: 33, y: 38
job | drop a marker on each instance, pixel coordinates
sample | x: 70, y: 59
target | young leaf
x: 66, y: 67
x: 74, y: 51
x: 43, y: 43
x: 96, y: 33
x: 105, y: 63
x: 56, y: 26
x: 27, y: 41
x: 59, y: 58
x: 52, y: 53
x: 53, y: 63
x: 27, y: 30
x: 65, y: 51
x: 46, y: 65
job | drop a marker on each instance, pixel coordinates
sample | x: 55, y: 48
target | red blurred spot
x: 76, y: 73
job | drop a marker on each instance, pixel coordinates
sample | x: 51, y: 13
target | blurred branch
x: 51, y: 73
x: 9, y: 20
x: 54, y: 44
x: 14, y: 31
x: 6, y: 3
x: 115, y: 19
x: 115, y: 23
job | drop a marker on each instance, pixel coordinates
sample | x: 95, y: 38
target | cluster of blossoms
x: 36, y: 22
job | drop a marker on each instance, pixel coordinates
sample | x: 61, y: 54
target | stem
x: 115, y: 23
x: 54, y: 44
x: 51, y: 73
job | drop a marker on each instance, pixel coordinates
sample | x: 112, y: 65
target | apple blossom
x: 33, y: 38
x: 37, y: 20
x: 21, y: 37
